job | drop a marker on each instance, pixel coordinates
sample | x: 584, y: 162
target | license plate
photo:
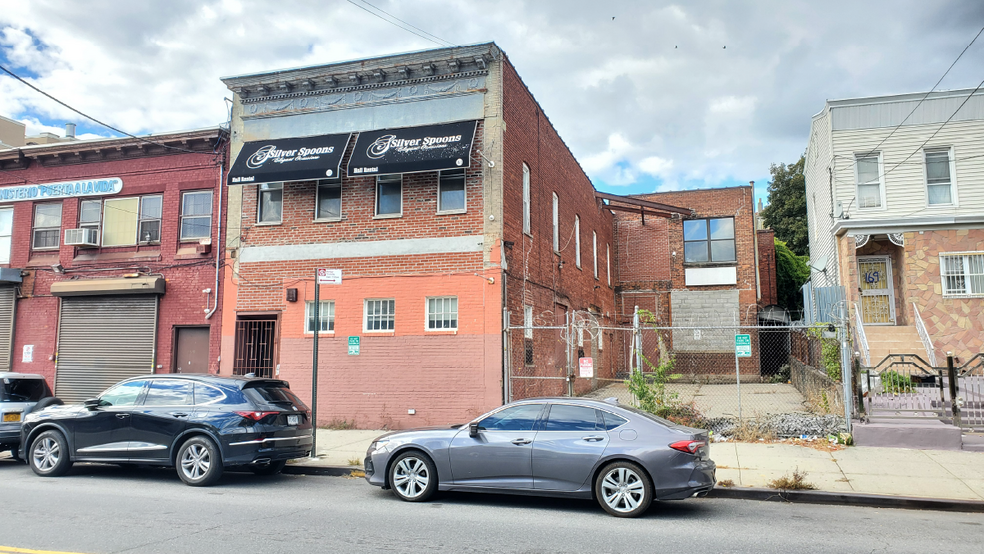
x: 11, y: 417
x: 293, y: 420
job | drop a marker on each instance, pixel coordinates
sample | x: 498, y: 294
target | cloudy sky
x: 649, y: 95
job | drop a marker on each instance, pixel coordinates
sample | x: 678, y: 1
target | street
x: 104, y: 509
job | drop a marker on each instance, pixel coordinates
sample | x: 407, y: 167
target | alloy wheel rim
x: 411, y: 477
x: 46, y: 454
x: 195, y: 461
x: 623, y: 490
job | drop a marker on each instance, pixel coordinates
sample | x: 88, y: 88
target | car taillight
x: 689, y: 447
x: 256, y: 416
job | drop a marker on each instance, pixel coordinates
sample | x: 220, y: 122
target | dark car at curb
x: 199, y: 424
x: 562, y: 447
x: 20, y: 394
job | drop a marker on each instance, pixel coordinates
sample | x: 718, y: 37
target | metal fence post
x: 507, y: 354
x: 637, y: 339
x: 951, y: 372
x: 846, y: 377
x: 568, y: 345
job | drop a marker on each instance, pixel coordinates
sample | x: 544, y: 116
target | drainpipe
x: 218, y: 245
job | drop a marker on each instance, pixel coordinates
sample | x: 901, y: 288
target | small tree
x: 786, y: 212
x: 791, y: 273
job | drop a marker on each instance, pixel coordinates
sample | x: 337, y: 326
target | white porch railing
x: 861, y: 337
x: 924, y: 337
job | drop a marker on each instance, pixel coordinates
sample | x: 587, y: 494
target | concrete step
x: 884, y: 340
x: 973, y: 442
x: 922, y: 435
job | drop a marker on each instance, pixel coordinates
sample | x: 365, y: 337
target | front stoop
x: 893, y: 339
x: 973, y: 442
x: 919, y: 435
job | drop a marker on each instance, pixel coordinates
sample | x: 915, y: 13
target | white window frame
x: 138, y: 216
x: 526, y: 199
x: 577, y: 241
x: 427, y: 313
x: 160, y: 220
x: 953, y: 176
x: 5, y: 252
x: 375, y: 206
x: 35, y: 229
x: 966, y: 274
x: 185, y: 194
x: 881, y: 181
x: 440, y: 183
x: 259, y: 202
x: 556, y: 223
x: 309, y: 306
x: 365, y: 315
x: 527, y: 321
x: 608, y: 260
x: 594, y: 251
x: 327, y: 183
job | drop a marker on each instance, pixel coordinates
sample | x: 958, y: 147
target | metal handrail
x: 924, y: 336
x: 862, y: 338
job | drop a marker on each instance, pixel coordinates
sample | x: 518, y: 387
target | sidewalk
x: 931, y: 474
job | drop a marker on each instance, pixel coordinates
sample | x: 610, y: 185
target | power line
x: 412, y: 29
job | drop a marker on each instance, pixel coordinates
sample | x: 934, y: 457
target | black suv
x: 199, y: 424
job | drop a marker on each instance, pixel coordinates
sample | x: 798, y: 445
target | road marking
x: 14, y: 550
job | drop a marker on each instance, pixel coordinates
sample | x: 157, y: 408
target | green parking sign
x: 743, y: 346
x: 353, y: 345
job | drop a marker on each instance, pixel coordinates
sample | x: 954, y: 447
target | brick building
x: 106, y: 266
x: 445, y: 203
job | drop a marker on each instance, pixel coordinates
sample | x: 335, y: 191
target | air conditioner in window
x: 82, y: 237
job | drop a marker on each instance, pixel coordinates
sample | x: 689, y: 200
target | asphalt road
x: 103, y: 509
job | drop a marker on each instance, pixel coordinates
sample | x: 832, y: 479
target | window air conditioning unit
x: 82, y: 237
x: 204, y: 246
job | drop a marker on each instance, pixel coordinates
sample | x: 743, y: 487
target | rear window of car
x: 23, y: 390
x: 648, y: 415
x: 272, y: 393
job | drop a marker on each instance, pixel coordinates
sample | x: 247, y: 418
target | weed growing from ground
x: 795, y: 482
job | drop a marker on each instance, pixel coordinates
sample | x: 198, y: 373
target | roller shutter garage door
x: 8, y: 299
x: 103, y: 340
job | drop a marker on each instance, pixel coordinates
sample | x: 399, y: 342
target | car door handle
x: 593, y: 438
x: 521, y: 442
x: 122, y: 416
x: 179, y: 414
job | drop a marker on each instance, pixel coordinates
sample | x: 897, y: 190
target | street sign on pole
x: 314, y: 363
x: 353, y: 344
x: 329, y: 276
x: 586, y: 366
x: 743, y: 346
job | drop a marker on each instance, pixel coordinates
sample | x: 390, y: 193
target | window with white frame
x: 380, y: 315
x: 442, y: 313
x: 577, y: 241
x: 271, y: 203
x: 90, y: 214
x: 608, y: 262
x: 6, y: 230
x: 528, y: 322
x: 868, y: 168
x: 47, y: 226
x: 328, y: 204
x: 326, y: 316
x: 963, y: 274
x: 939, y: 182
x: 594, y: 251
x: 389, y: 195
x: 451, y: 191
x: 526, y: 199
x: 556, y: 223
x: 196, y: 215
x: 133, y: 220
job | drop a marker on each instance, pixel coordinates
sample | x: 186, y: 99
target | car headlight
x: 378, y: 446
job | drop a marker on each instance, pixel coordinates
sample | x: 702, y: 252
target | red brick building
x: 106, y: 261
x: 443, y: 201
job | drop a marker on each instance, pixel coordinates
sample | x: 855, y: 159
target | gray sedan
x: 566, y: 447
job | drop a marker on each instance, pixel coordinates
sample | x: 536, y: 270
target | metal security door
x: 877, y: 292
x: 8, y: 302
x: 191, y: 350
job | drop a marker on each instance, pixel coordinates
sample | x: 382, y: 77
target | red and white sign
x: 329, y: 276
x: 586, y: 365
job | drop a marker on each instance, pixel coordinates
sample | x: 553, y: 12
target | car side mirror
x: 473, y: 429
x: 92, y: 403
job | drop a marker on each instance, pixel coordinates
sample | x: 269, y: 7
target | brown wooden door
x: 191, y: 350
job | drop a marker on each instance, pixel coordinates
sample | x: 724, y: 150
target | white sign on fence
x: 329, y: 276
x: 586, y: 365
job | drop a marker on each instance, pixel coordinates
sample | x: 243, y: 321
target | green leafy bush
x: 896, y: 383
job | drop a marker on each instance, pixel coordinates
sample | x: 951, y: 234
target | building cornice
x: 909, y: 224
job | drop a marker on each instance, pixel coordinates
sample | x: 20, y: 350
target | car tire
x: 623, y: 489
x: 413, y: 477
x: 199, y: 462
x: 271, y: 468
x: 49, y: 455
x: 45, y: 402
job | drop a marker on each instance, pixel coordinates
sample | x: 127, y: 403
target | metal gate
x: 8, y: 303
x: 256, y: 344
x: 103, y: 340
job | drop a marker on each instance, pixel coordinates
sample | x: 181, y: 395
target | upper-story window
x: 329, y: 201
x: 939, y: 182
x: 326, y: 316
x: 380, y: 314
x: 556, y: 223
x: 871, y: 193
x: 6, y: 230
x: 389, y: 195
x: 196, y: 215
x: 526, y: 199
x: 271, y: 203
x: 577, y: 241
x: 442, y: 312
x: 90, y: 214
x: 709, y: 240
x: 451, y: 191
x: 47, y: 226
x: 128, y: 221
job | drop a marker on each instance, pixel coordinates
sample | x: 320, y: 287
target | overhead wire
x: 413, y: 29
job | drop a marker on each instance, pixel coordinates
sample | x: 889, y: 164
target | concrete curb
x: 848, y: 499
x: 324, y: 471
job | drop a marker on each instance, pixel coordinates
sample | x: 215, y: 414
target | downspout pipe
x: 218, y: 244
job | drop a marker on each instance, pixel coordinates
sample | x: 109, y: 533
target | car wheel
x: 623, y: 489
x: 49, y: 456
x: 199, y: 463
x: 271, y: 468
x: 413, y: 477
x: 45, y: 402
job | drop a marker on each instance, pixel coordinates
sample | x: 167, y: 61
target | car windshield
x: 23, y: 390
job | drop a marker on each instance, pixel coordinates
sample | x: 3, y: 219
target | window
x: 556, y: 223
x: 389, y: 195
x: 451, y: 191
x: 124, y: 394
x: 170, y: 392
x: 442, y: 313
x: 709, y: 240
x: 528, y: 322
x: 329, y: 202
x: 869, y: 181
x: 206, y: 394
x: 127, y: 221
x: 326, y: 314
x: 608, y: 261
x: 577, y: 241
x: 6, y: 230
x: 939, y: 185
x: 380, y: 315
x: 526, y: 199
x: 90, y: 214
x: 963, y: 274
x: 564, y: 417
x: 594, y: 251
x: 516, y: 418
x: 271, y: 203
x: 196, y: 215
x: 612, y: 421
x: 47, y: 226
